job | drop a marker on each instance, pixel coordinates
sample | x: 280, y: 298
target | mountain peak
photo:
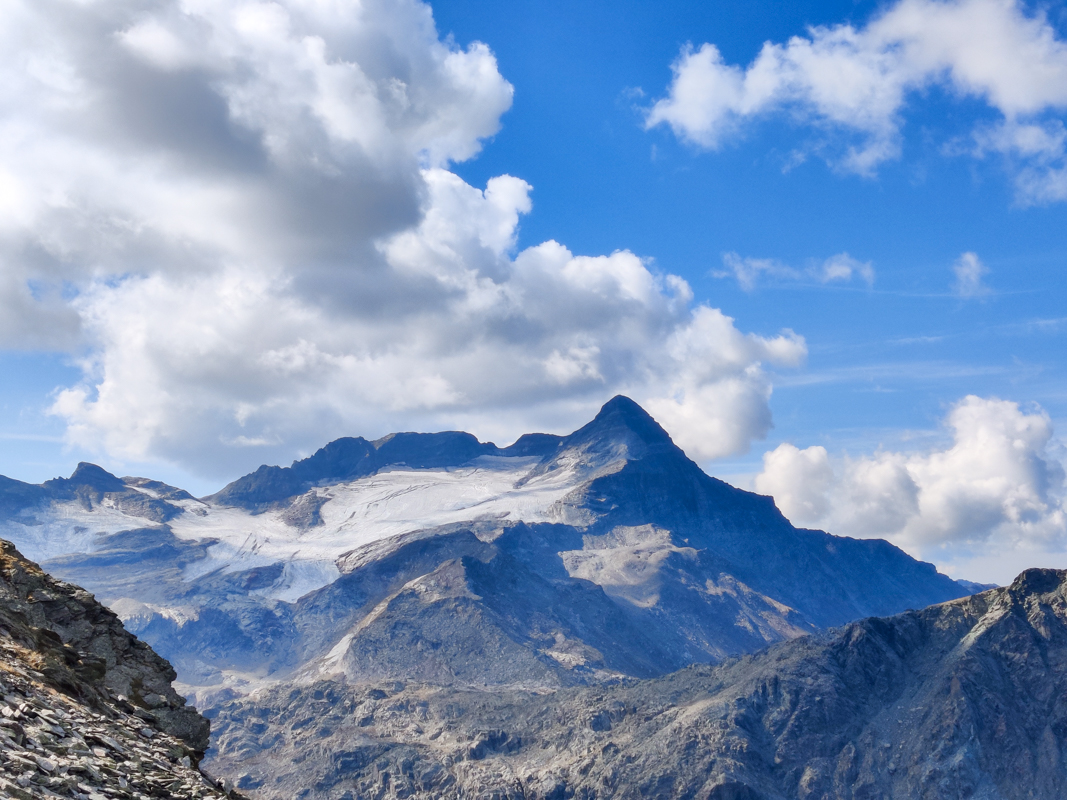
x: 622, y: 431
x: 91, y: 476
x: 1037, y: 581
x: 621, y: 421
x: 622, y: 412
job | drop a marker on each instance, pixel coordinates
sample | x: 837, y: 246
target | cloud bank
x: 988, y: 505
x: 856, y: 83
x: 241, y: 216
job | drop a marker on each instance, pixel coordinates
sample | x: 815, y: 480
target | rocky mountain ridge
x: 348, y: 458
x: 962, y: 699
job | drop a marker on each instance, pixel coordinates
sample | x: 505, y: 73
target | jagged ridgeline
x: 427, y: 615
x: 962, y: 700
x: 87, y: 710
x: 560, y: 560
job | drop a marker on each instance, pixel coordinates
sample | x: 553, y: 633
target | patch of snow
x: 331, y: 662
x: 64, y: 528
x: 354, y: 514
x: 299, y: 577
x: 633, y: 573
x: 135, y: 614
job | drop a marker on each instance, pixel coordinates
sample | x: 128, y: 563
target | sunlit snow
x: 356, y: 513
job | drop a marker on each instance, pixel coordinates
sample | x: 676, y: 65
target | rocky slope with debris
x: 87, y: 711
x: 964, y: 699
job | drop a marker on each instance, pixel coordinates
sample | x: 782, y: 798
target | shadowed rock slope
x: 967, y: 699
x: 86, y: 710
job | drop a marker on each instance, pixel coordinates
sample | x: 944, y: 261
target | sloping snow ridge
x: 65, y: 528
x: 355, y: 513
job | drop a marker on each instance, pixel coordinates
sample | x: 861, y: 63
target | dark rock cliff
x: 87, y: 650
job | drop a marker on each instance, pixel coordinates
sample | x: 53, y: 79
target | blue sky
x: 882, y: 360
x: 130, y: 324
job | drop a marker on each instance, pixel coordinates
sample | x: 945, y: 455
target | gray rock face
x: 590, y: 558
x: 87, y: 650
x: 89, y: 486
x: 86, y: 710
x: 963, y: 699
x: 661, y: 566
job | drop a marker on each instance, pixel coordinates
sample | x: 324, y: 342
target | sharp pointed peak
x: 88, y: 474
x: 621, y: 431
x: 622, y: 405
x: 621, y: 402
x: 621, y: 414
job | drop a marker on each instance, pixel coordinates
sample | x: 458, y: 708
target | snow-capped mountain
x: 435, y: 557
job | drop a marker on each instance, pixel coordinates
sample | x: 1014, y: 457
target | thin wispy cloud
x: 969, y: 272
x: 750, y: 272
x: 898, y: 372
x: 29, y: 437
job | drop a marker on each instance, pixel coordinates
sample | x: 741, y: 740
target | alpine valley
x: 429, y: 615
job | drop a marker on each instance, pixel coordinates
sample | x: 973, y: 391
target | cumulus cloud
x: 241, y: 216
x: 857, y: 82
x: 798, y: 480
x: 172, y: 137
x: 749, y: 271
x: 991, y: 500
x: 969, y: 271
x: 183, y: 360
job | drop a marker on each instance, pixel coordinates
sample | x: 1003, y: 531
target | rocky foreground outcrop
x: 967, y: 699
x: 86, y: 710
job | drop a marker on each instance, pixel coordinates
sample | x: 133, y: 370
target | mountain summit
x: 558, y: 560
x: 622, y: 423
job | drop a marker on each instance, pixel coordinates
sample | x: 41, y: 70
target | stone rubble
x: 51, y: 745
x: 87, y: 711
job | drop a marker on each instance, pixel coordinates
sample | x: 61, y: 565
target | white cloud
x: 844, y: 267
x: 183, y: 361
x: 240, y: 215
x: 798, y: 480
x: 1039, y: 150
x: 997, y: 492
x: 175, y: 137
x: 969, y: 271
x: 748, y: 271
x: 857, y: 81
